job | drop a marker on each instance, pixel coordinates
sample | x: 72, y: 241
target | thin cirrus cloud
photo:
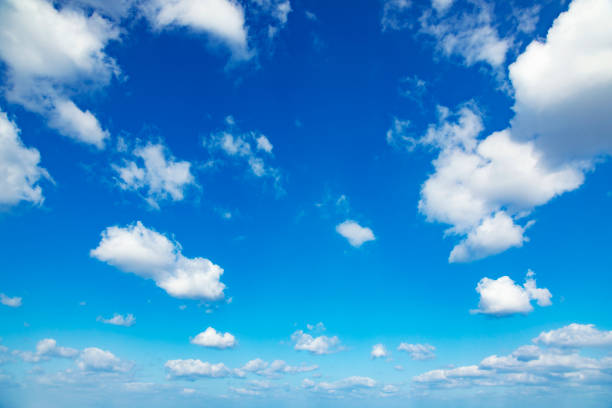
x: 355, y: 234
x: 482, y: 188
x: 49, y: 52
x: 211, y: 338
x: 119, y: 320
x: 502, y: 297
x: 418, y: 351
x: 155, y: 173
x: 151, y: 255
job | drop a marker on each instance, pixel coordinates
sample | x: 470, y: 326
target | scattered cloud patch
x: 119, y: 320
x: 151, y: 255
x: 576, y: 335
x: 355, y: 233
x: 46, y: 349
x: 379, y: 351
x: 10, y: 301
x: 94, y: 359
x: 502, y: 297
x: 418, y: 351
x: 211, y: 338
x: 345, y: 384
x: 192, y: 369
x: 316, y: 345
x: 274, y: 369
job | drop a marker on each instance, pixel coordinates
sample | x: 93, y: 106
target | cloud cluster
x: 211, y: 338
x: 502, y: 297
x: 345, y: 384
x: 46, y: 349
x: 274, y: 369
x: 151, y: 255
x: 156, y: 174
x: 533, y: 365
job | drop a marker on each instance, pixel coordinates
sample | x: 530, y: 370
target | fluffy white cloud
x: 119, y: 320
x: 47, y: 348
x: 211, y: 338
x: 563, y: 85
x: 315, y: 345
x: 482, y: 187
x: 245, y: 148
x: 222, y: 19
x: 10, y: 301
x: 98, y: 360
x: 528, y: 365
x: 355, y: 233
x: 48, y: 50
x: 503, y: 297
x: 192, y: 369
x: 418, y: 351
x: 274, y: 369
x: 160, y: 177
x: 576, y: 335
x: 470, y: 35
x: 151, y: 255
x: 20, y: 172
x: 379, y: 351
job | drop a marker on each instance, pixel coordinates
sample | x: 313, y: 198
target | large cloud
x: 576, y: 335
x: 151, y: 255
x: 50, y: 52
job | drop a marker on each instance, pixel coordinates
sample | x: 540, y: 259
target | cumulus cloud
x: 482, y: 188
x: 576, y: 335
x: 527, y: 365
x: 49, y: 52
x: 151, y: 255
x: 192, y: 369
x: 502, y: 297
x: 156, y: 174
x: 20, y: 173
x: 211, y: 338
x: 345, y: 384
x: 379, y: 351
x: 46, y: 349
x: 418, y: 351
x: 251, y: 149
x: 94, y: 359
x: 355, y: 233
x: 221, y: 19
x: 315, y: 345
x: 119, y: 320
x: 274, y: 369
x: 10, y: 301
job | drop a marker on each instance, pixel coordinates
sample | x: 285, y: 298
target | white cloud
x: 394, y: 14
x: 563, y: 85
x: 211, y: 338
x: 159, y: 178
x: 503, y: 297
x: 530, y: 365
x: 481, y: 187
x: 418, y: 351
x: 274, y: 369
x: 49, y: 52
x: 379, y: 351
x: 355, y: 233
x: 20, y: 172
x: 119, y: 320
x: 222, y: 19
x: 151, y: 255
x: 346, y: 384
x: 98, y: 360
x: 576, y: 335
x: 47, y: 348
x: 244, y: 148
x: 10, y: 301
x: 192, y: 369
x: 315, y: 345
x: 470, y: 35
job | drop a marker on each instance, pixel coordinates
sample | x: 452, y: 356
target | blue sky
x: 278, y: 202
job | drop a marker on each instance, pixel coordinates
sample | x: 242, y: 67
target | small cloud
x: 10, y: 301
x: 379, y: 351
x: 211, y: 338
x: 418, y: 351
x: 355, y: 233
x: 119, y: 320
